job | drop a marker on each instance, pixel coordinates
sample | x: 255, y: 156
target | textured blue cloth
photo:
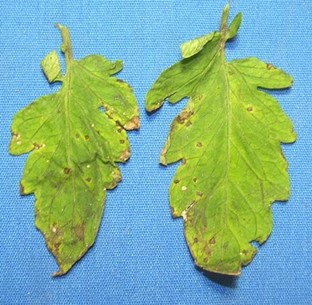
x: 140, y: 256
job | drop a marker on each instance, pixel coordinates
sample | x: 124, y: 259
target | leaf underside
x: 74, y: 149
x: 228, y: 138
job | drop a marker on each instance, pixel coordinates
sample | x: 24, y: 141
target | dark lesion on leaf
x: 15, y: 135
x: 79, y: 231
x: 188, y: 124
x: 249, y: 108
x: 270, y: 66
x: 245, y: 252
x: 183, y: 116
x: 56, y: 247
x: 212, y: 241
x: 200, y: 194
x: 87, y: 138
x: 180, y: 120
x: 67, y: 170
x: 56, y: 234
x: 38, y: 146
x: 208, y: 251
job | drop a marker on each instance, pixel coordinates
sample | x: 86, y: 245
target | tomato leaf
x: 228, y: 138
x: 74, y: 149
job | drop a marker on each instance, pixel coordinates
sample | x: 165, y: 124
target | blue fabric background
x: 140, y: 256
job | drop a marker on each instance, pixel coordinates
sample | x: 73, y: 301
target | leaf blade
x: 228, y: 138
x: 74, y: 148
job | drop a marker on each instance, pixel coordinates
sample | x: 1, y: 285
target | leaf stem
x: 224, y: 20
x: 66, y: 46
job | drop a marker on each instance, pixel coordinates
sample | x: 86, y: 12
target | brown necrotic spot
x: 180, y: 120
x: 188, y: 123
x: 133, y: 124
x: 56, y: 247
x: 15, y: 136
x: 194, y: 179
x: 249, y: 108
x: 245, y: 252
x: 37, y: 146
x: 199, y: 144
x: 54, y: 229
x: 77, y: 135
x: 87, y: 137
x: 185, y: 114
x: 121, y: 141
x: 88, y: 179
x: 125, y: 155
x: 212, y: 241
x: 269, y: 66
x: 66, y: 170
x: 200, y: 194
x: 176, y: 181
x: 79, y: 231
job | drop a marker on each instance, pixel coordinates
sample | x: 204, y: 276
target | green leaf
x: 51, y: 67
x: 234, y: 26
x: 74, y: 149
x: 228, y: 138
x: 194, y: 46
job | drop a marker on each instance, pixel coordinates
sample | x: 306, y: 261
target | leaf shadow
x: 54, y: 87
x: 224, y: 280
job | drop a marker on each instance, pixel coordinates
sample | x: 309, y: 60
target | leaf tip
x: 134, y: 123
x: 125, y: 155
x: 153, y: 106
x: 163, y: 159
x: 174, y: 212
x: 58, y: 273
x: 234, y: 26
x: 22, y: 189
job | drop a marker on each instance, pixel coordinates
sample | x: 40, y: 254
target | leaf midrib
x: 224, y: 68
x: 68, y: 138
